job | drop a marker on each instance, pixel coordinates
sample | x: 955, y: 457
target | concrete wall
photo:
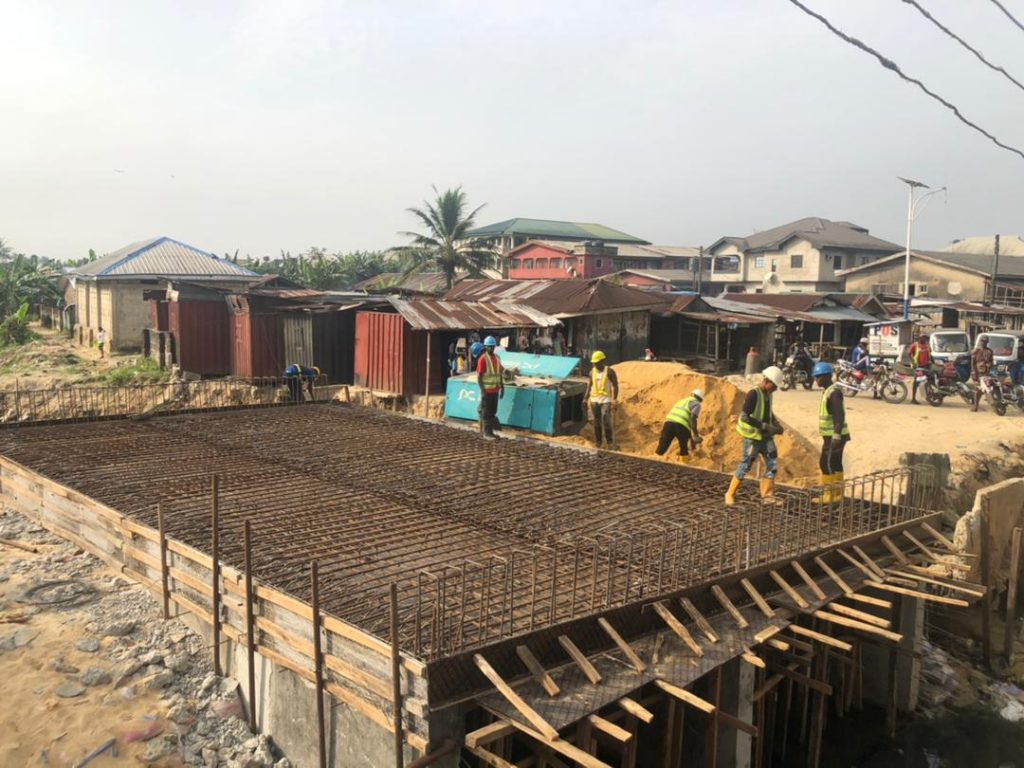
x: 1002, y: 504
x: 937, y: 277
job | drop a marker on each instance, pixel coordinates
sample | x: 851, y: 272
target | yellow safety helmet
x: 597, y: 357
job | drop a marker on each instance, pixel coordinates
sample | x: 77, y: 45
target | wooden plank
x: 580, y: 658
x: 732, y: 721
x: 779, y: 645
x: 189, y: 553
x: 896, y: 551
x: 677, y: 626
x: 868, y: 600
x: 860, y: 626
x: 636, y: 709
x: 867, y: 618
x: 609, y: 728
x: 805, y: 680
x: 868, y: 573
x: 698, y: 618
x: 537, y: 670
x: 936, y: 581
x: 940, y: 538
x: 759, y: 601
x: 796, y: 629
x: 753, y: 659
x: 515, y: 699
x: 561, y: 746
x: 727, y: 604
x: 382, y: 719
x: 921, y: 546
x: 927, y: 571
x: 868, y: 561
x: 834, y: 576
x: 923, y: 595
x: 766, y: 633
x: 626, y: 648
x: 788, y: 589
x: 133, y: 526
x: 811, y: 583
x: 483, y: 736
x: 686, y: 697
x: 489, y: 758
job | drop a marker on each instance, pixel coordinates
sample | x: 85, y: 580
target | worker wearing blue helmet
x: 834, y: 431
x: 492, y: 387
x: 295, y: 376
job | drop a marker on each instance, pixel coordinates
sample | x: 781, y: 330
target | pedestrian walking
x: 982, y: 361
x: 921, y: 359
x: 835, y: 433
x: 681, y: 425
x: 758, y: 427
x: 492, y: 387
x: 602, y: 391
x: 101, y: 339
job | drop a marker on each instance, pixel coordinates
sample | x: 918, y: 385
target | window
x: 542, y: 263
x: 759, y: 262
x: 527, y: 263
x: 837, y: 261
x: 796, y: 261
x: 865, y: 260
x: 516, y: 264
x: 556, y: 263
x: 599, y: 263
x: 570, y: 261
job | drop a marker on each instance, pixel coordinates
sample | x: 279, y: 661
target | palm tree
x: 444, y: 247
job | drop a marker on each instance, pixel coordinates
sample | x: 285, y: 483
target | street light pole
x: 912, y: 211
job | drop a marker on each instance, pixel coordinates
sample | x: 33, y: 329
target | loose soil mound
x: 649, y: 390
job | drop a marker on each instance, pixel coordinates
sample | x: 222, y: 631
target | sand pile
x: 647, y: 392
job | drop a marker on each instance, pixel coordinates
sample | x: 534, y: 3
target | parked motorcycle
x: 793, y: 374
x: 879, y: 379
x: 1009, y: 392
x: 992, y: 388
x: 948, y: 381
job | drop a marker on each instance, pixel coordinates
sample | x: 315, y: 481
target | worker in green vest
x: 758, y: 428
x: 834, y: 431
x: 681, y: 425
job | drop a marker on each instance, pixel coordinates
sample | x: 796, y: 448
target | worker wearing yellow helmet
x: 295, y: 376
x: 758, y: 427
x: 602, y: 391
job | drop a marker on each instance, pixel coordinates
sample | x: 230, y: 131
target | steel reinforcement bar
x: 485, y: 541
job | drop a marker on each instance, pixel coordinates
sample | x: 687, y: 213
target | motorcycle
x: 992, y: 387
x: 948, y: 381
x: 879, y: 380
x: 1009, y: 392
x: 793, y: 373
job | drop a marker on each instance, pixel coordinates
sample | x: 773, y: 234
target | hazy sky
x: 267, y: 125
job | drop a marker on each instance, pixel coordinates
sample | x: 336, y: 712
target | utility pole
x: 911, y: 215
x: 700, y: 271
x: 995, y: 271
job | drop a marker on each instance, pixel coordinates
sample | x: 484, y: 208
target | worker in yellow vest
x: 681, y: 425
x: 834, y: 431
x: 602, y: 391
x: 758, y: 427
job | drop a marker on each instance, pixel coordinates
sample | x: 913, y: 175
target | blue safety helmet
x: 476, y: 349
x: 490, y: 341
x: 822, y: 369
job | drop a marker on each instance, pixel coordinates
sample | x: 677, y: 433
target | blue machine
x: 539, y: 396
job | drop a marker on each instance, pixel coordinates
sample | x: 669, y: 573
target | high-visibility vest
x: 492, y: 372
x: 826, y: 424
x: 680, y: 412
x: 763, y: 407
x: 599, y: 383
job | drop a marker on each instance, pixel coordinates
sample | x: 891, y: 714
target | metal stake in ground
x: 250, y: 628
x: 163, y: 561
x: 215, y: 553
x: 318, y: 664
x: 396, y: 680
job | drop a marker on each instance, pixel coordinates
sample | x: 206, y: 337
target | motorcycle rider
x: 802, y: 358
x: 982, y: 361
x: 921, y: 359
x: 859, y: 355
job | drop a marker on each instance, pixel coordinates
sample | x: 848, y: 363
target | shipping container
x: 256, y: 338
x: 325, y: 339
x: 391, y: 358
x: 200, y: 329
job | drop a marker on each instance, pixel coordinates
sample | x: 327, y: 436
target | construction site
x: 390, y: 590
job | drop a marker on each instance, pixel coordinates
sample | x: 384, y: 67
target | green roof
x: 546, y: 230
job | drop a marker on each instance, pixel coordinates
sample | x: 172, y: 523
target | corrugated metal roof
x: 815, y: 315
x: 821, y: 233
x: 434, y: 315
x: 561, y: 298
x: 541, y: 228
x: 163, y: 257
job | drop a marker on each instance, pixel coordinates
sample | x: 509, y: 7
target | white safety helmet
x: 864, y: 340
x: 774, y: 374
x: 699, y: 393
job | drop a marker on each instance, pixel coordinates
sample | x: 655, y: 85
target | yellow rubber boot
x: 730, y: 495
x: 837, y: 486
x: 826, y: 490
x: 768, y: 488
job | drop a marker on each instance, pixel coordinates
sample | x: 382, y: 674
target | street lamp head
x: 913, y: 183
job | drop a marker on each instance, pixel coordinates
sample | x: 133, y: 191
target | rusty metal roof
x: 561, y: 298
x: 436, y: 315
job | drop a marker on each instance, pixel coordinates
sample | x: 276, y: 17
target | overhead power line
x: 965, y: 44
x: 1009, y: 15
x: 892, y: 66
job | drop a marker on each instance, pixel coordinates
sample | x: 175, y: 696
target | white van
x: 947, y: 343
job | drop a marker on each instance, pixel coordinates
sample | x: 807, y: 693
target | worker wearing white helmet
x: 681, y: 425
x: 758, y: 428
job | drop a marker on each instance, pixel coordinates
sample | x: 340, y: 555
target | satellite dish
x: 954, y: 288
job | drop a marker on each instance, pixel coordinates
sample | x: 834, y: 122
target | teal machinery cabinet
x: 539, y: 396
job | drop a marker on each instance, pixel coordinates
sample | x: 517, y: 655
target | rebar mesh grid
x: 485, y: 540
